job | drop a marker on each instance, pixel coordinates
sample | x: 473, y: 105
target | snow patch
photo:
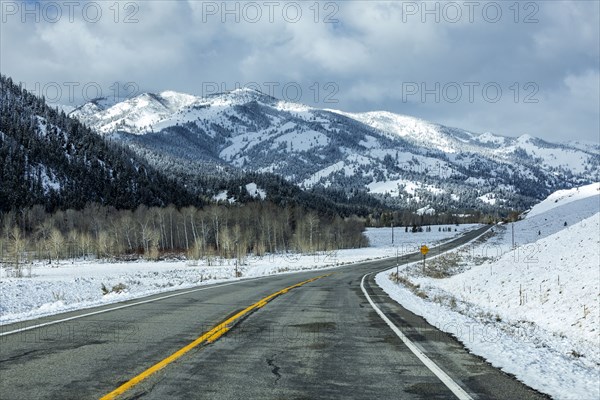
x: 255, y: 192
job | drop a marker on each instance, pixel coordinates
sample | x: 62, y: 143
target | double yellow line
x: 208, y: 337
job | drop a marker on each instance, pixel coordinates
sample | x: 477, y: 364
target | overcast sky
x: 482, y: 66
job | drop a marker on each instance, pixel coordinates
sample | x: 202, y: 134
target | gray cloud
x: 374, y: 57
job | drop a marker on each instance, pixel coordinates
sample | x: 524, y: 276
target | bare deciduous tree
x: 56, y: 243
x: 18, y: 244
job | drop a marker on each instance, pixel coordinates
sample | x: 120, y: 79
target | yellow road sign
x: 424, y: 250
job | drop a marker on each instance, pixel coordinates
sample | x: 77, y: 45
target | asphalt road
x: 320, y: 340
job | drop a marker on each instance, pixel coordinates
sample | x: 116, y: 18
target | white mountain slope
x: 563, y: 197
x: 552, y: 156
x: 416, y: 130
x: 406, y: 160
x: 136, y: 115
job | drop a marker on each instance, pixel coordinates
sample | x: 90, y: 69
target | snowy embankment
x: 533, y: 311
x: 75, y: 285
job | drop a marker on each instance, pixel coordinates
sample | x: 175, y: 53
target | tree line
x: 408, y: 218
x: 226, y: 231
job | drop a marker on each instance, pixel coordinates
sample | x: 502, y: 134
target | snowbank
x: 555, y: 283
x: 533, y: 311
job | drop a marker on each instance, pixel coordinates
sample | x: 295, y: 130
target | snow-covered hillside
x: 136, y: 115
x: 562, y: 197
x: 52, y: 161
x: 450, y: 140
x: 435, y: 166
x: 539, y: 301
x: 416, y: 130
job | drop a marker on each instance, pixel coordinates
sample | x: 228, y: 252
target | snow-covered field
x: 532, y: 311
x: 75, y: 285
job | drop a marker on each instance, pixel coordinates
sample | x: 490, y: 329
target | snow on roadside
x: 533, y: 311
x: 557, y: 287
x: 562, y: 197
x: 76, y: 285
x: 520, y: 349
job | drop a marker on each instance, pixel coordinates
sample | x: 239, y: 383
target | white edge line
x: 450, y: 384
x: 446, y: 380
x: 123, y: 306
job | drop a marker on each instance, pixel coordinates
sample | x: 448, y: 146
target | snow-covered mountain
x: 134, y: 115
x: 405, y: 160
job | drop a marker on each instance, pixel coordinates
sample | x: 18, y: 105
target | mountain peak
x: 244, y: 95
x: 489, y: 137
x: 246, y: 89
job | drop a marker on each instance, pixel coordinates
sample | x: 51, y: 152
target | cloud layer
x: 484, y: 66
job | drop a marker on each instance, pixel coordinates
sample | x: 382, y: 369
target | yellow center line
x: 208, y: 337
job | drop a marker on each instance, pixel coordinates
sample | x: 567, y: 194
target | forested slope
x: 48, y: 158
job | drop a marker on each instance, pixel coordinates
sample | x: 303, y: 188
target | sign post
x: 397, y: 266
x: 424, y: 251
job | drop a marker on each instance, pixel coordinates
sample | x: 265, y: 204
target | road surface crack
x: 274, y: 367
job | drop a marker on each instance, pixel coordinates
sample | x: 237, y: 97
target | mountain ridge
x: 403, y: 160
